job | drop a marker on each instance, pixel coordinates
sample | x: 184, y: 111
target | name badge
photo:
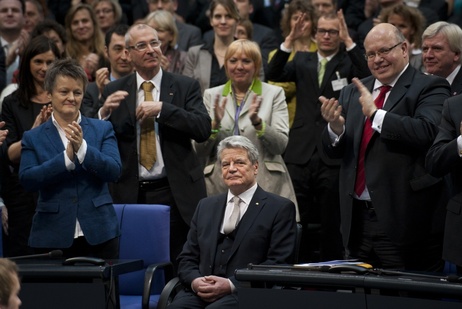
x: 338, y: 84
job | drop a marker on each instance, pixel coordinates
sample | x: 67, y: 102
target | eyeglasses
x: 323, y: 32
x: 380, y: 53
x: 142, y: 46
x: 104, y: 11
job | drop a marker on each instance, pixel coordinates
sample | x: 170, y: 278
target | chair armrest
x: 168, y: 293
x: 167, y: 267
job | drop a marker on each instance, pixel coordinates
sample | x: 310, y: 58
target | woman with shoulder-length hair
x: 246, y: 106
x: 26, y: 108
x: 85, y: 38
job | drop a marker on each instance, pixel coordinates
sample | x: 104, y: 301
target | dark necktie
x: 367, y: 134
x: 148, y: 154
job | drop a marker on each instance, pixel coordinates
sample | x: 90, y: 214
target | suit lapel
x: 456, y: 86
x: 216, y: 221
x: 330, y: 70
x: 53, y: 136
x: 312, y: 70
x: 131, y: 99
x: 359, y: 121
x: 167, y: 91
x: 400, y: 88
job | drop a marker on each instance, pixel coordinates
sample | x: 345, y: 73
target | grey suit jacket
x: 188, y: 36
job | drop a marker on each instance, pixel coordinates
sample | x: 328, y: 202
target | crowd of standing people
x: 347, y: 109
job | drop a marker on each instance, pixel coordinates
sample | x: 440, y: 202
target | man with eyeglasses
x: 159, y: 163
x: 313, y: 174
x: 381, y: 128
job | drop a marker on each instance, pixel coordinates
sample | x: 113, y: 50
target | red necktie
x: 367, y: 134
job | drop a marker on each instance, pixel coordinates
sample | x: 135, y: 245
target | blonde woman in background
x: 173, y: 60
x: 246, y: 106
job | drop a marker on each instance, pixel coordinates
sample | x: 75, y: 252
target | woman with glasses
x: 108, y: 12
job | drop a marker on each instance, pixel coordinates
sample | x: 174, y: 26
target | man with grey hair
x: 441, y: 53
x: 155, y: 115
x: 381, y: 128
x: 230, y: 230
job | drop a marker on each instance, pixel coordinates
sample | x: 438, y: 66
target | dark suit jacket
x: 305, y: 133
x: 183, y: 117
x: 264, y: 36
x: 456, y: 86
x: 443, y: 159
x: 404, y: 195
x: 188, y: 35
x: 65, y: 196
x: 91, y: 104
x: 265, y: 235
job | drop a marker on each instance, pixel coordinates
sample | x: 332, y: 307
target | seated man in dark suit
x: 230, y: 230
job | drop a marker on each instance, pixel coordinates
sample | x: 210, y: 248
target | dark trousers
x: 80, y: 247
x: 370, y: 243
x: 188, y: 300
x: 316, y: 188
x: 158, y: 192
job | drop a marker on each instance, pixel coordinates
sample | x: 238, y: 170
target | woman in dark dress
x: 24, y: 109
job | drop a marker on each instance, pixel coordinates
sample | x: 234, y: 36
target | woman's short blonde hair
x: 250, y: 49
x: 164, y: 21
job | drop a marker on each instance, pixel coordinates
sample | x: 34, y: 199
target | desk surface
x: 54, y: 268
x: 291, y: 277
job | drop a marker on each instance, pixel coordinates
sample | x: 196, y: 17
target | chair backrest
x: 145, y: 234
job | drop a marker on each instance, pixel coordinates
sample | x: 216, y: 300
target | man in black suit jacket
x: 442, y: 53
x: 313, y: 174
x: 217, y: 245
x: 389, y: 222
x: 176, y: 179
x: 444, y: 158
x: 119, y: 66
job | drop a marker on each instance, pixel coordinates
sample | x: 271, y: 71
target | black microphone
x: 454, y: 278
x: 51, y: 254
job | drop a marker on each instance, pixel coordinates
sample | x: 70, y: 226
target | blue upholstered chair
x: 145, y: 233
